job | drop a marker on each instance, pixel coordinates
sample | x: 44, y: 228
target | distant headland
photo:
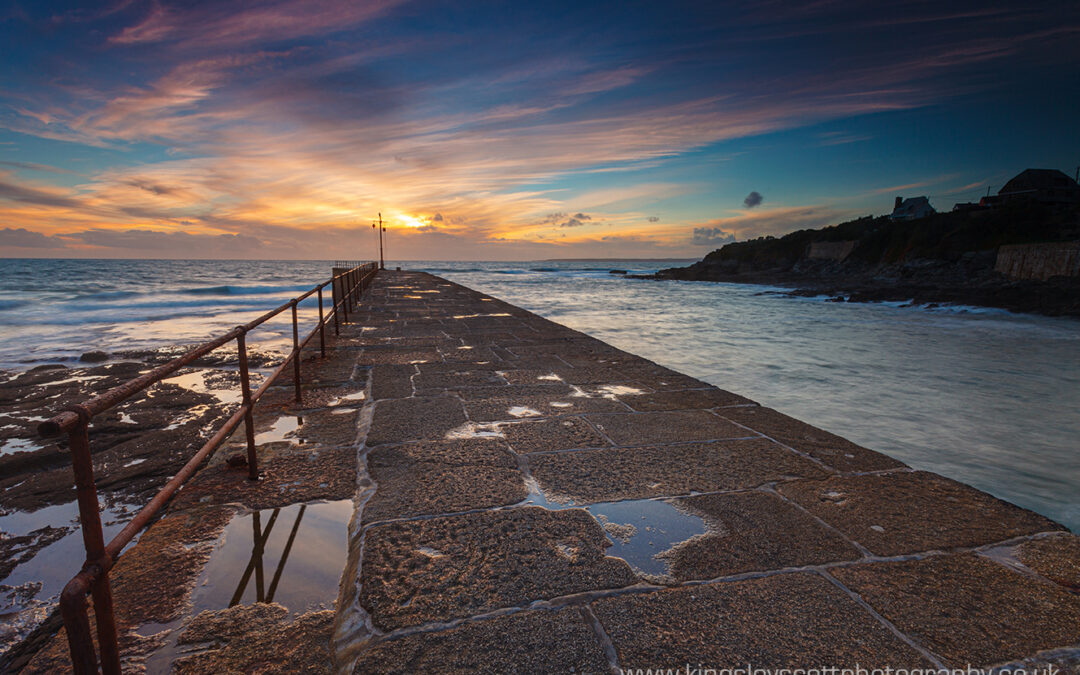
x: 1018, y: 250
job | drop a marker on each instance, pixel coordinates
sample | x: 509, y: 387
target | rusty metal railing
x: 93, y: 579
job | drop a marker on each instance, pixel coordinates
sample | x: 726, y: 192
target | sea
x: 984, y: 396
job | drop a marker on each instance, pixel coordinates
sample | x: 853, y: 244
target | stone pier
x: 526, y: 498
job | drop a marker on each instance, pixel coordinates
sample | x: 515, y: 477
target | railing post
x: 93, y: 540
x: 322, y: 327
x: 77, y: 625
x: 249, y: 418
x: 345, y: 296
x: 296, y: 353
x: 334, y: 310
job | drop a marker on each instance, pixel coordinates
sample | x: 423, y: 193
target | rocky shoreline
x: 970, y: 281
x: 137, y: 447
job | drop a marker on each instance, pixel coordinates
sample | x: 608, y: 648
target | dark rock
x: 96, y: 356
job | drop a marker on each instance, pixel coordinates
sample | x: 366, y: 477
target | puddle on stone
x: 658, y: 527
x: 13, y: 445
x: 282, y: 427
x: 76, y: 379
x: 552, y: 377
x: 474, y: 316
x: 30, y: 592
x: 474, y: 430
x: 348, y: 398
x: 639, y: 529
x: 523, y: 411
x: 196, y: 382
x: 613, y: 390
x: 293, y: 556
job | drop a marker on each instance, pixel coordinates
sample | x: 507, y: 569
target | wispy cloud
x: 284, y: 126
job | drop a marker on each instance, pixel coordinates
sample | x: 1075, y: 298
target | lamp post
x: 382, y: 229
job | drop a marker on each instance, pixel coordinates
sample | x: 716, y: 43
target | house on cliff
x: 1045, y: 186
x: 911, y: 208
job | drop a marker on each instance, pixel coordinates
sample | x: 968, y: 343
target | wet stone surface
x: 551, y: 435
x: 428, y: 570
x: 839, y: 453
x: 754, y: 531
x: 257, y: 638
x: 666, y: 427
x: 412, y: 419
x: 968, y: 609
x: 526, y: 642
x: 695, y: 399
x: 633, y: 473
x: 908, y: 512
x: 442, y: 477
x: 518, y: 407
x: 780, y: 621
x: 1056, y: 558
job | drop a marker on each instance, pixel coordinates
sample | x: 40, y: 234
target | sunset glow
x: 281, y: 129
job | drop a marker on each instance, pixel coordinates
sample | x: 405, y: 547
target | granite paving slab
x: 634, y: 473
x: 526, y: 642
x: 419, y: 418
x: 442, y: 477
x: 753, y: 531
x: 908, y: 512
x: 835, y: 451
x: 1057, y: 558
x: 666, y: 427
x: 967, y: 609
x: 782, y: 621
x: 552, y: 434
x: 443, y: 568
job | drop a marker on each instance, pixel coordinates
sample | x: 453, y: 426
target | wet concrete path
x: 527, y: 498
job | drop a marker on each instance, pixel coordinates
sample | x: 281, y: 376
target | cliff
x: 1020, y: 257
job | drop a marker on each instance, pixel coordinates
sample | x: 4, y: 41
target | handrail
x: 93, y: 578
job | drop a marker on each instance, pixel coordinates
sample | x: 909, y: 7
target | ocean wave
x: 12, y: 304
x: 244, y: 290
x: 210, y: 304
x: 448, y: 270
x: 108, y: 295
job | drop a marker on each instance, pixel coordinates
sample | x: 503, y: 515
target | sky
x: 510, y: 131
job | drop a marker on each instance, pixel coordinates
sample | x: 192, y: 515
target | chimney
x: 899, y: 201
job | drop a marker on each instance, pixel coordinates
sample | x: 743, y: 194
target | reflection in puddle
x: 639, y: 529
x: 30, y: 592
x: 282, y: 427
x: 657, y: 527
x: 293, y: 556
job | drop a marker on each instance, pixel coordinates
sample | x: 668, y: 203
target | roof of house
x: 1038, y: 179
x: 912, y: 205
